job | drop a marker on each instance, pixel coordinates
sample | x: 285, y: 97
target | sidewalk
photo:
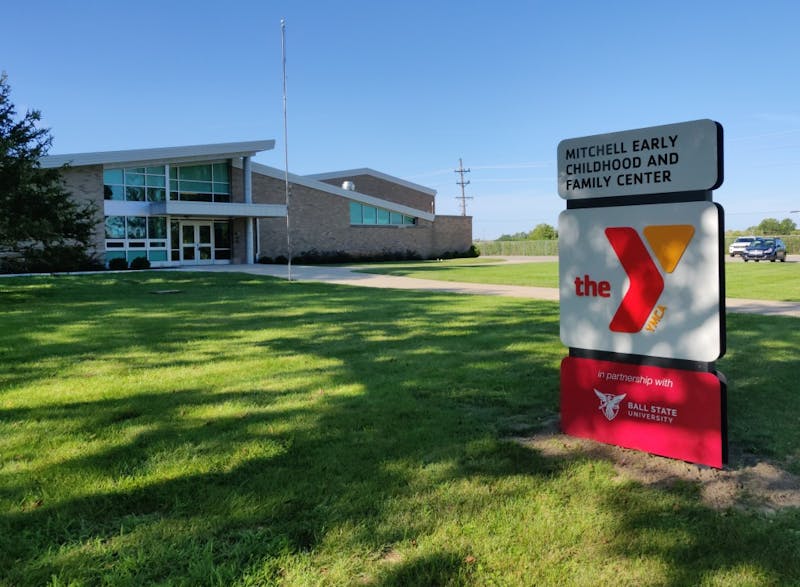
x: 349, y: 276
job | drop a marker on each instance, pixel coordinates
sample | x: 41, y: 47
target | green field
x: 760, y: 281
x: 226, y: 429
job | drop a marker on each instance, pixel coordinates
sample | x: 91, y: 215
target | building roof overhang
x: 160, y: 155
x: 308, y: 182
x: 349, y: 173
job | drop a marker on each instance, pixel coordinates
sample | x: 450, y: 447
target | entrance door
x: 197, y: 246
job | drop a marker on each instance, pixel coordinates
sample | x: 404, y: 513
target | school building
x: 207, y: 204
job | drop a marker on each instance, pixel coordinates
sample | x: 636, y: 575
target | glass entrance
x: 197, y: 243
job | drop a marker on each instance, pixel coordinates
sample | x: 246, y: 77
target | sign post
x: 642, y: 290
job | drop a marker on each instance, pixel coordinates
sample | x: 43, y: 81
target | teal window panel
x: 155, y: 170
x: 112, y: 176
x: 134, y: 178
x: 137, y: 227
x: 155, y: 181
x: 113, y: 192
x: 114, y: 255
x: 222, y: 234
x: 355, y: 213
x: 195, y: 172
x: 195, y: 186
x: 383, y: 216
x: 156, y: 194
x: 157, y: 255
x: 115, y: 227
x: 131, y: 255
x: 220, y: 172
x: 196, y: 197
x: 395, y: 218
x: 157, y: 227
x: 134, y: 194
x: 370, y: 215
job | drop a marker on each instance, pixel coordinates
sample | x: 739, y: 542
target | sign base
x: 669, y: 412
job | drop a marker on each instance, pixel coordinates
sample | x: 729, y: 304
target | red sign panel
x: 669, y: 412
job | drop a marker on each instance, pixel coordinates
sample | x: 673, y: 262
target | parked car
x: 765, y: 249
x: 738, y: 246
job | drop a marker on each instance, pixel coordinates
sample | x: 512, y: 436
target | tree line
x: 767, y: 227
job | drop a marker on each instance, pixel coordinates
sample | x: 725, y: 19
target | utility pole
x: 463, y: 197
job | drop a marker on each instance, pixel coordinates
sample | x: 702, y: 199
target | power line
x: 461, y: 171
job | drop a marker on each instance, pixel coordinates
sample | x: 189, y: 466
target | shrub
x: 54, y: 259
x: 140, y: 263
x: 117, y: 264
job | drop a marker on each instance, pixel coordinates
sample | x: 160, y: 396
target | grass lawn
x: 249, y: 431
x: 760, y: 281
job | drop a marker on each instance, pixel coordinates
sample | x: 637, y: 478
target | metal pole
x: 286, y: 151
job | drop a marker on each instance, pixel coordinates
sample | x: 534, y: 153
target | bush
x: 473, y: 252
x: 55, y: 259
x: 117, y: 264
x: 140, y: 263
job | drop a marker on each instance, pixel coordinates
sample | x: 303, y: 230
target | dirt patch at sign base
x: 746, y: 483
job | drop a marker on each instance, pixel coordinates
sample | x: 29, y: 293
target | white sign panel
x: 681, y: 157
x: 642, y: 280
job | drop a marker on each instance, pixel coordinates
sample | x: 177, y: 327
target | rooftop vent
x: 349, y: 186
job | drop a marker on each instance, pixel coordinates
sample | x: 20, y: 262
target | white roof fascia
x: 373, y: 173
x: 348, y: 194
x: 218, y: 209
x: 139, y: 157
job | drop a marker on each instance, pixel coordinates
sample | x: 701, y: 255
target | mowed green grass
x: 249, y: 431
x: 760, y: 281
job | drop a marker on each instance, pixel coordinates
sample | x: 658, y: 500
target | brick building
x: 207, y: 204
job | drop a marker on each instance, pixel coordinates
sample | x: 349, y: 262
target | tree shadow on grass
x: 415, y: 394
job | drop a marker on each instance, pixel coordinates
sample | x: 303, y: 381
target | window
x: 136, y: 236
x: 135, y: 184
x: 222, y: 240
x: 362, y: 214
x: 200, y: 183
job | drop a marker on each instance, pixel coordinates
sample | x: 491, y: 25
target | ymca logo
x: 609, y: 403
x: 638, y: 309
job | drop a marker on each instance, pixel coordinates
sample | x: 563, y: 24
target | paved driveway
x: 349, y: 276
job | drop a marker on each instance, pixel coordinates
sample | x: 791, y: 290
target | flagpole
x: 286, y: 151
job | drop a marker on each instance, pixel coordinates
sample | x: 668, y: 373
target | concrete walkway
x: 349, y: 276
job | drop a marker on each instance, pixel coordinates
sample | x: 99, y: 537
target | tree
x: 772, y: 226
x: 41, y: 227
x: 788, y: 226
x: 517, y: 236
x: 543, y: 232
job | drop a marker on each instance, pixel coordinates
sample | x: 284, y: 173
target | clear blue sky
x: 409, y: 87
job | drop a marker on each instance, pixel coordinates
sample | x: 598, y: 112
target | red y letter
x: 646, y: 283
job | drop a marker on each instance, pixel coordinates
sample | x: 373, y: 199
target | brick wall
x: 86, y: 184
x: 320, y: 222
x: 387, y: 190
x: 452, y: 233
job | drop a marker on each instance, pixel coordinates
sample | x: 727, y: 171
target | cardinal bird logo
x: 609, y: 403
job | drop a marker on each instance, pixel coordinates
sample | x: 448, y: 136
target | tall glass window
x: 200, y: 183
x: 135, y: 184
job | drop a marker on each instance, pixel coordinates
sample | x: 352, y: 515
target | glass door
x: 197, y: 246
